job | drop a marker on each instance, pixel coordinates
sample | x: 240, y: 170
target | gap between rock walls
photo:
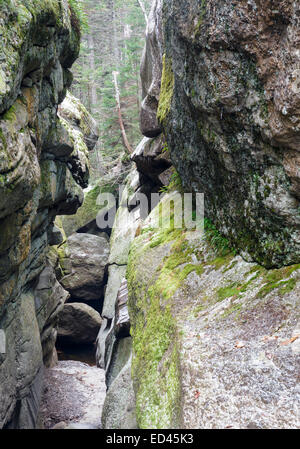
x: 133, y: 325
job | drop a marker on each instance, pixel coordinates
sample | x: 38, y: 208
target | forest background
x: 113, y: 38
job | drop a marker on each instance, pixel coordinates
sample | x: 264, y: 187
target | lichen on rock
x: 166, y: 92
x: 231, y: 127
x: 41, y: 172
x: 206, y: 321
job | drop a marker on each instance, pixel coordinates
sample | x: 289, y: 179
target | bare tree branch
x: 124, y: 137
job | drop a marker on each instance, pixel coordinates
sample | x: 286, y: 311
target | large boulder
x: 84, y: 260
x: 42, y: 173
x: 85, y: 218
x: 78, y: 323
x: 216, y: 339
x: 229, y: 105
x: 152, y: 159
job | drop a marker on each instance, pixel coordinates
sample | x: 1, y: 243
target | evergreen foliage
x: 113, y: 42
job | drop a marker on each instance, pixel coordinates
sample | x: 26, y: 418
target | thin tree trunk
x: 141, y: 3
x: 124, y: 137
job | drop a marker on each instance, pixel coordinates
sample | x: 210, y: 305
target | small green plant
x: 216, y: 239
x: 125, y: 158
x: 174, y: 184
x: 165, y: 148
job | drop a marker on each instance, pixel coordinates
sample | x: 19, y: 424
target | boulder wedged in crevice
x: 153, y: 160
x: 84, y: 260
x: 99, y: 199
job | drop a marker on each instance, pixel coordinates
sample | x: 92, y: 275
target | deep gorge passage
x: 113, y: 316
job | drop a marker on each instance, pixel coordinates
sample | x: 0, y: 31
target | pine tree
x: 113, y: 42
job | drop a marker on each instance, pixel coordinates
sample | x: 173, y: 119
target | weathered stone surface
x: 215, y: 338
x: 21, y: 365
x: 55, y: 236
x: 71, y: 137
x: 119, y: 405
x: 80, y: 119
x: 84, y: 259
x: 151, y: 69
x: 103, y: 343
x: 152, y: 158
x: 229, y: 105
x: 119, y: 358
x: 78, y: 323
x: 122, y: 320
x: 125, y: 225
x: 38, y: 46
x: 31, y: 35
x: 113, y: 341
x: 49, y: 298
x: 116, y: 274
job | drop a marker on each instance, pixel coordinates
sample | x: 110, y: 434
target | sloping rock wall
x: 216, y: 340
x: 214, y: 317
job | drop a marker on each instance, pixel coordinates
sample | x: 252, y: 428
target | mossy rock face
x: 166, y: 92
x: 37, y: 47
x: 25, y: 26
x: 205, y: 320
x: 228, y: 118
x: 90, y: 208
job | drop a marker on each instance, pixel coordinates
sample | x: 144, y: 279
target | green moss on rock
x: 166, y: 92
x: 89, y: 209
x: 167, y: 288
